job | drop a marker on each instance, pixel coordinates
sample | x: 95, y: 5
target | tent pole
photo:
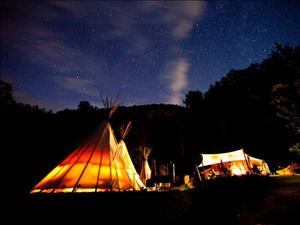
x: 98, y: 175
x: 167, y: 169
x: 203, y: 168
x: 247, y: 163
x: 117, y: 172
x: 174, y: 179
x: 110, y: 177
x: 199, y: 176
x: 68, y: 170
x: 95, y: 147
x: 263, y: 165
x: 67, y: 162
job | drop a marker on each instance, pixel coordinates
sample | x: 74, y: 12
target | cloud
x: 78, y: 85
x: 49, y: 48
x: 131, y: 25
x: 179, y: 16
x: 183, y: 15
x: 177, y: 77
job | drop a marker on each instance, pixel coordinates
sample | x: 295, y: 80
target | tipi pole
x: 110, y: 176
x: 68, y: 170
x: 67, y: 162
x: 95, y: 147
x: 98, y: 175
x: 132, y: 182
x: 116, y: 169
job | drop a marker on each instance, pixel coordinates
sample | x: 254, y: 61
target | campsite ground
x: 236, y: 201
x: 281, y: 205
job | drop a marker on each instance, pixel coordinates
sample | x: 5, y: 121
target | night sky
x: 56, y: 54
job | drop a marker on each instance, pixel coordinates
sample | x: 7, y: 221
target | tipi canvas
x: 97, y: 165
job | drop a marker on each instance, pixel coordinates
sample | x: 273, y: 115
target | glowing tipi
x: 97, y: 165
x: 130, y: 169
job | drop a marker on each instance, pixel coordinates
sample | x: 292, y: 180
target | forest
x: 256, y: 108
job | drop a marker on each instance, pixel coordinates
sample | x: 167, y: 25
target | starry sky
x: 57, y: 53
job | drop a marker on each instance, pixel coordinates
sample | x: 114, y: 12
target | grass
x: 234, y: 201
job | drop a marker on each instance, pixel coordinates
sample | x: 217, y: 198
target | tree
x: 193, y: 100
x: 295, y: 150
x: 6, y: 97
x: 84, y: 106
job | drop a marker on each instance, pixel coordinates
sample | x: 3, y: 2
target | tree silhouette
x: 193, y: 100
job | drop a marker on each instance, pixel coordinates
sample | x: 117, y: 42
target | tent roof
x: 210, y: 159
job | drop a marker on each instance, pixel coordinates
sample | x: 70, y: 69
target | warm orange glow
x: 289, y: 170
x: 236, y: 162
x: 237, y: 170
x: 99, y: 165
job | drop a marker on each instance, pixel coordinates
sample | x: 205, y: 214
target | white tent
x: 235, y: 162
x: 130, y: 169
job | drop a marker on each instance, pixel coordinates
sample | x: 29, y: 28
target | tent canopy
x: 210, y: 159
x: 237, y: 162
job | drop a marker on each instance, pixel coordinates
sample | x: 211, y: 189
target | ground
x: 280, y: 206
x: 236, y: 201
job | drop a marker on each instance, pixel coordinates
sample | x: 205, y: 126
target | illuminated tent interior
x: 99, y: 164
x: 145, y: 173
x: 290, y: 170
x: 232, y: 163
x: 130, y: 169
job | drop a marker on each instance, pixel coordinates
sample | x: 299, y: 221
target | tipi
x: 130, y: 169
x: 96, y: 165
x: 145, y: 173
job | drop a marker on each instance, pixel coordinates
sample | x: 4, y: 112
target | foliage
x: 193, y: 100
x: 295, y: 149
x: 256, y: 108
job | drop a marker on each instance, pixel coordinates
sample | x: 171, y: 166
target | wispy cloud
x: 177, y: 77
x: 179, y: 16
x: 49, y: 49
x: 129, y: 25
x: 78, y: 85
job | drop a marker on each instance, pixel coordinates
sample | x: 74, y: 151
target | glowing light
x: 237, y: 170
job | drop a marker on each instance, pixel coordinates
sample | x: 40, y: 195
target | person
x: 256, y: 170
x: 225, y: 170
x: 212, y: 175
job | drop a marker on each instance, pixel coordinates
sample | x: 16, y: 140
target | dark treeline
x: 256, y: 108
